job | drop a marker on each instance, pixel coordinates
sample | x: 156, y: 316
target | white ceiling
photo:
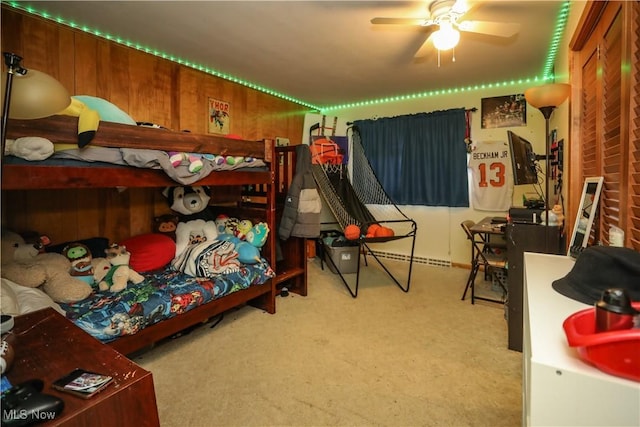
x: 325, y: 52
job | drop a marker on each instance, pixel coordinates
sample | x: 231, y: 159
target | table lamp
x: 546, y: 98
x: 29, y: 94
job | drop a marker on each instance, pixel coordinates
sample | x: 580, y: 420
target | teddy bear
x: 116, y: 274
x: 23, y: 264
x: 190, y: 202
x: 166, y: 224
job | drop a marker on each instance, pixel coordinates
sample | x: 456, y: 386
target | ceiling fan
x: 444, y: 23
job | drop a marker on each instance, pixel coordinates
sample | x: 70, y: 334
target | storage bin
x: 344, y: 257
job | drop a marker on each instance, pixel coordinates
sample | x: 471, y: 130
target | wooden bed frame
x: 269, y: 185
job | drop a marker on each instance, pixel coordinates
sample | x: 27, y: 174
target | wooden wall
x: 149, y: 89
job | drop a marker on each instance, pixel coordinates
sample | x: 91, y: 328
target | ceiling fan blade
x: 401, y: 21
x: 427, y: 46
x: 499, y: 29
x: 425, y: 50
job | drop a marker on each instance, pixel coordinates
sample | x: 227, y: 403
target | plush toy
x: 190, y: 202
x: 90, y: 110
x: 247, y: 253
x: 119, y: 274
x: 88, y: 120
x: 194, y: 231
x: 23, y: 264
x: 231, y: 226
x: 39, y: 241
x: 80, y: 258
x: 29, y: 148
x: 193, y: 160
x: 166, y: 224
x: 221, y: 223
x: 257, y: 236
x: 243, y: 228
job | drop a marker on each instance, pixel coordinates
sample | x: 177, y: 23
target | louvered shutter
x: 607, y: 48
x: 611, y: 144
x: 633, y: 199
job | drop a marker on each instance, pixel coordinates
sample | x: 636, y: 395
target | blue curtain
x: 420, y: 159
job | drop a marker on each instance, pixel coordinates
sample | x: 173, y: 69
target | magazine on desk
x: 82, y: 383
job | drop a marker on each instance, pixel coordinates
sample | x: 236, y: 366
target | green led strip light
x: 186, y: 63
x: 561, y: 23
x: 547, y: 74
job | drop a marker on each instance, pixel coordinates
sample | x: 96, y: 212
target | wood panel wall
x: 149, y: 89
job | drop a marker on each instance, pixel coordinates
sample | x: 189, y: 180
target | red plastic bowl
x: 616, y: 352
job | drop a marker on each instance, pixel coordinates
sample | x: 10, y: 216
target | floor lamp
x: 546, y: 98
x: 29, y: 94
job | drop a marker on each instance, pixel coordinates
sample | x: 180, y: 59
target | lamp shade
x: 446, y: 37
x: 35, y: 95
x: 549, y: 95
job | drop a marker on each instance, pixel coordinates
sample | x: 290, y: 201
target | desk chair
x: 485, y: 255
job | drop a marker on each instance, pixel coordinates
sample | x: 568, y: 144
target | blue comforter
x: 163, y: 294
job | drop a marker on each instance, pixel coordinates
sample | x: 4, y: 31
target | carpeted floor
x: 386, y: 358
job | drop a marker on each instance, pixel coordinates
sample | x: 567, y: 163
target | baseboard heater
x: 420, y: 260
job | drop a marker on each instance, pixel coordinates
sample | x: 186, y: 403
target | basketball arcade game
x: 360, y: 206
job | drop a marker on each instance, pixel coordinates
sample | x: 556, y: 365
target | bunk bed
x: 43, y: 175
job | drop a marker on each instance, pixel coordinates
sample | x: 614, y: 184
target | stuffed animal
x: 231, y: 226
x: 23, y: 264
x: 90, y: 110
x: 193, y: 232
x: 201, y: 253
x: 166, y: 224
x: 257, y: 236
x: 247, y: 253
x: 221, y: 223
x: 190, y: 202
x: 243, y: 227
x: 80, y: 258
x: 193, y: 160
x: 116, y: 278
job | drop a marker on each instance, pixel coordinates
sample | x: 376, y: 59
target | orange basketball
x: 384, y: 232
x: 372, y: 229
x: 352, y: 232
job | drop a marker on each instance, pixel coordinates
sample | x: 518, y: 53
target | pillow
x: 22, y: 300
x: 150, y: 251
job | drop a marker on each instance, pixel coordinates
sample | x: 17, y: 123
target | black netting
x: 361, y: 201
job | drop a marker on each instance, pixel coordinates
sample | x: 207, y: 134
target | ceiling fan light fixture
x: 446, y: 37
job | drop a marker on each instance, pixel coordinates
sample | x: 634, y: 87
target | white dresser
x: 559, y: 389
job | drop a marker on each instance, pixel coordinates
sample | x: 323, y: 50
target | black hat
x: 599, y: 268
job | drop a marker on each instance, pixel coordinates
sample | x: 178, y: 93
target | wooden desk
x: 481, y: 233
x: 523, y: 238
x: 48, y: 346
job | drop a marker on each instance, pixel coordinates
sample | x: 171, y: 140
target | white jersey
x: 490, y: 164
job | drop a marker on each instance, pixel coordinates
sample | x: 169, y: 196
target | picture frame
x: 218, y: 116
x: 504, y: 111
x: 587, y: 212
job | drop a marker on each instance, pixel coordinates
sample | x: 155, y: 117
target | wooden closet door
x: 632, y: 195
x: 605, y: 126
